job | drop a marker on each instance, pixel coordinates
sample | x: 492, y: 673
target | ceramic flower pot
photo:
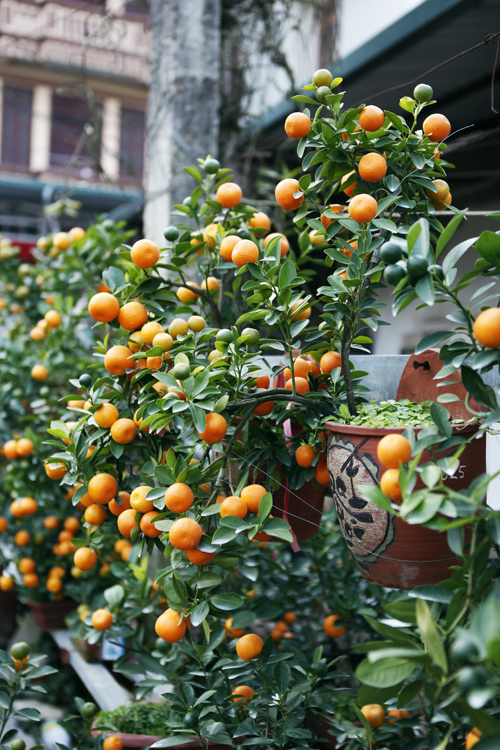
x: 388, y: 550
x: 51, y: 615
x: 303, y: 508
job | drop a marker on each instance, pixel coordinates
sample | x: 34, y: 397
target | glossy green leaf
x: 384, y: 673
x: 430, y: 635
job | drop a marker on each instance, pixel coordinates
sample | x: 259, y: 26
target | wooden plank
x: 104, y: 689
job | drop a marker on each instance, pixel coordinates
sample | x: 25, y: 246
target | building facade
x: 73, y: 95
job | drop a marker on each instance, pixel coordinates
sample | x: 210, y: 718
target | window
x: 16, y: 126
x: 132, y: 132
x: 137, y: 6
x: 75, y: 136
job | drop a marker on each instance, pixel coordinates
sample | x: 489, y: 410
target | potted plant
x: 393, y: 172
x: 40, y: 352
x: 138, y: 725
x: 175, y: 405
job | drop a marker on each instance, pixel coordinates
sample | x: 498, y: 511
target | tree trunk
x: 183, y: 109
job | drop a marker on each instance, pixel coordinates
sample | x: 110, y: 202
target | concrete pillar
x: 40, y: 128
x: 183, y: 109
x: 110, y: 138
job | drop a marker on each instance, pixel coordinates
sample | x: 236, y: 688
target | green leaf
x: 456, y: 539
x: 441, y: 418
x: 492, y: 742
x: 493, y: 526
x: 173, y: 741
x: 384, y: 673
x: 367, y: 694
x: 474, y: 384
x: 409, y: 693
x: 386, y: 631
x: 243, y: 619
x: 488, y: 246
x: 223, y: 535
x: 199, y: 613
x: 364, y: 722
x: 208, y: 579
x: 374, y: 494
x: 227, y: 602
x: 425, y: 289
x: 448, y: 232
x: 304, y: 100
x: 386, y: 224
x: 282, y: 676
x: 397, y: 121
x: 253, y: 315
x: 194, y: 173
x: 114, y: 278
x: 430, y: 635
x: 199, y: 417
x: 403, y: 611
x: 114, y: 595
x: 392, y: 183
x: 432, y: 594
x: 431, y: 474
x: 456, y: 253
x: 431, y: 340
x: 265, y: 507
x: 283, y: 534
x: 408, y: 104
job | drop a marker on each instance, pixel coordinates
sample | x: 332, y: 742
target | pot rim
x: 33, y: 604
x: 354, y: 429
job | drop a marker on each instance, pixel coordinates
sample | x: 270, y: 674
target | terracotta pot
x: 8, y: 611
x: 387, y: 550
x: 51, y: 615
x: 146, y: 740
x: 305, y: 508
x: 134, y: 740
x: 91, y: 652
x: 322, y: 732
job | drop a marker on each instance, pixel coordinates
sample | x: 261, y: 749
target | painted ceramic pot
x: 388, y: 550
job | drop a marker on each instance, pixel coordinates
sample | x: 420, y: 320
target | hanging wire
x: 488, y: 39
x: 329, y: 531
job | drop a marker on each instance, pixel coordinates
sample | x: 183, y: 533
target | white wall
x: 300, y: 47
x: 361, y: 20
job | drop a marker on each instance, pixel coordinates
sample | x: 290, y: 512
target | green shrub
x: 140, y: 718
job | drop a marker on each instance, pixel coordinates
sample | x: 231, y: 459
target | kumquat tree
x: 215, y: 414
x: 173, y: 417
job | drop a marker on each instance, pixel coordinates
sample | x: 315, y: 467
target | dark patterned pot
x: 388, y: 550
